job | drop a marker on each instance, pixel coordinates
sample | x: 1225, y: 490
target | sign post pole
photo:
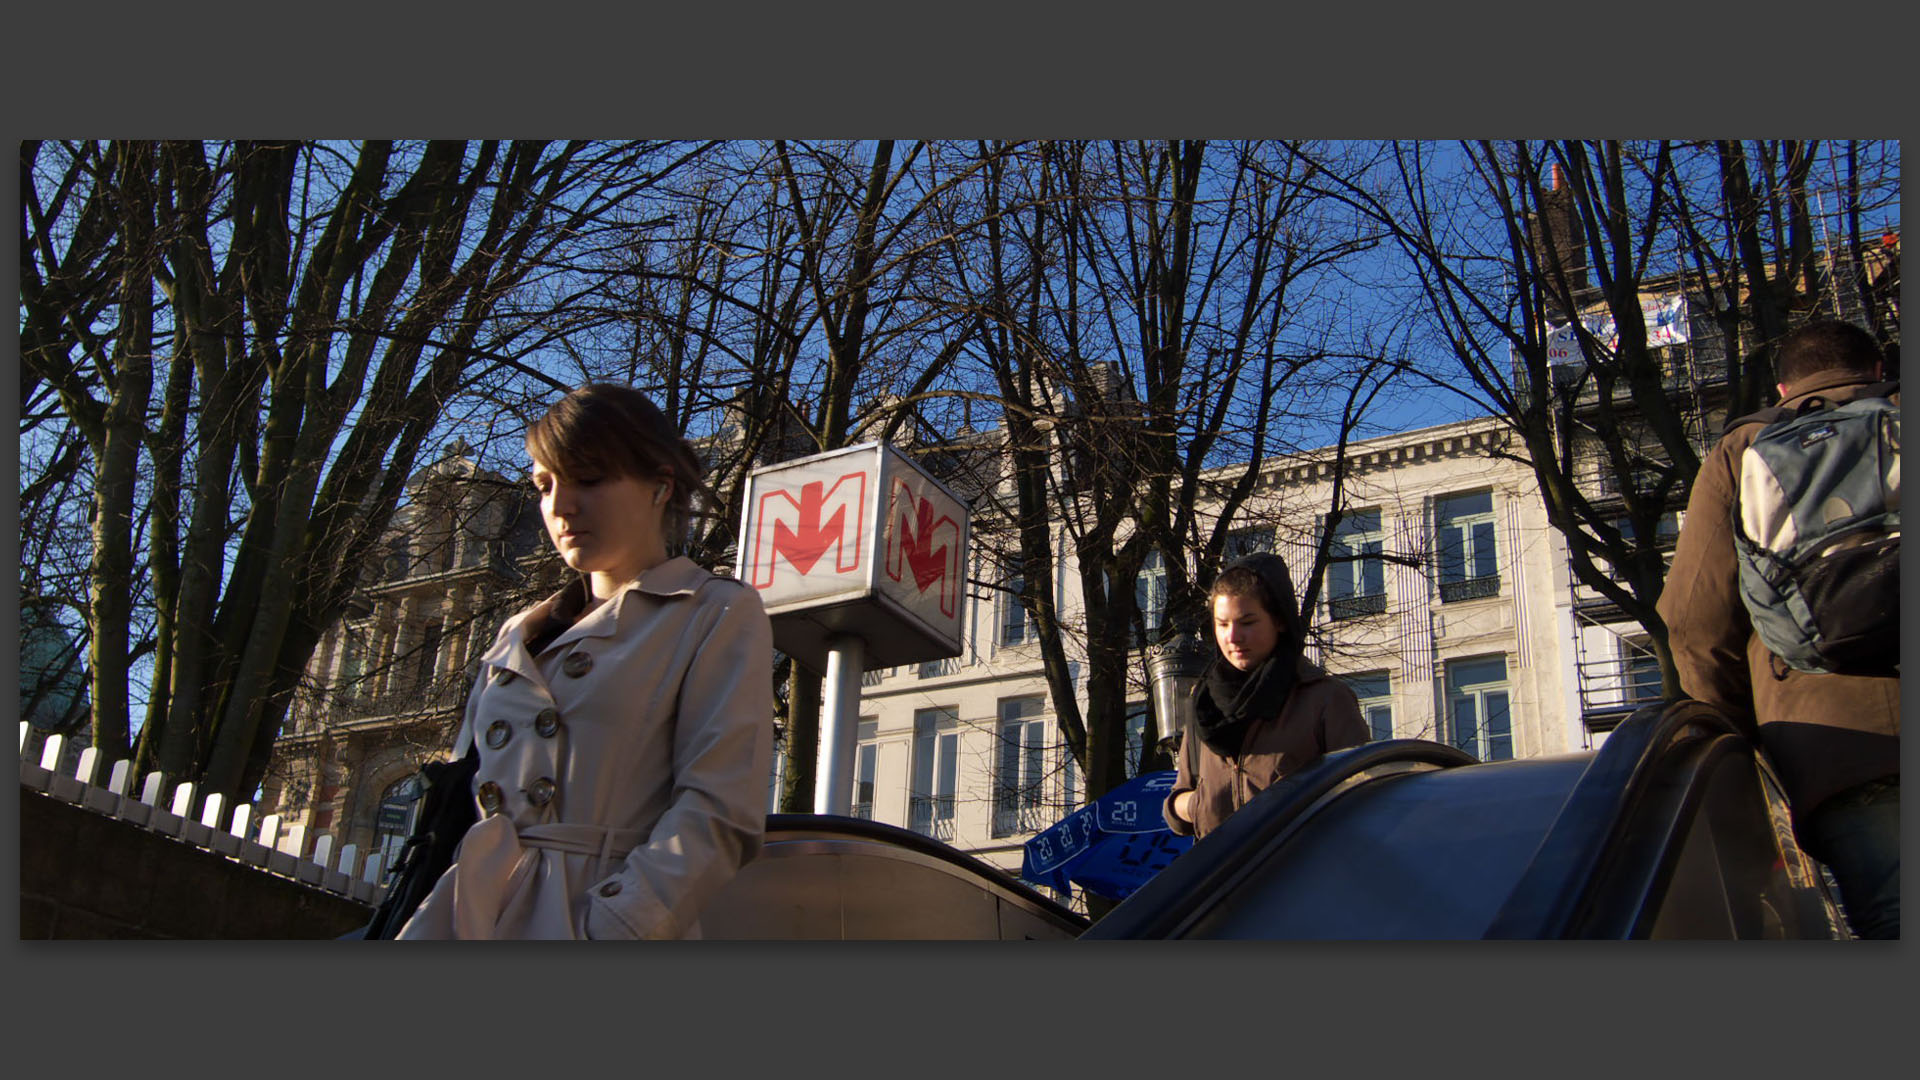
x: 839, y: 720
x: 860, y: 557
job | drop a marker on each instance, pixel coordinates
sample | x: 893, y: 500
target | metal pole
x: 839, y: 719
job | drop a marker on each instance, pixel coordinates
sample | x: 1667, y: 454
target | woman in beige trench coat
x: 625, y: 723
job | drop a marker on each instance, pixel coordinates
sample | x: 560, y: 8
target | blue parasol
x: 1110, y: 846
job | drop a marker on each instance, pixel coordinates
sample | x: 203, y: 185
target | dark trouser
x: 1857, y: 834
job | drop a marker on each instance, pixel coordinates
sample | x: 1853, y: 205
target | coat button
x: 547, y: 723
x: 491, y: 798
x: 503, y: 676
x: 540, y: 792
x: 498, y: 733
x: 611, y: 888
x: 577, y: 664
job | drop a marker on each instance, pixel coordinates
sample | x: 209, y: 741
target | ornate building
x: 385, y: 686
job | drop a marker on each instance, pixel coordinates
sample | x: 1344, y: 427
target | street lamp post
x: 1174, y: 668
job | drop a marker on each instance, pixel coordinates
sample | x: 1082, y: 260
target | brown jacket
x: 1823, y: 733
x: 1320, y: 716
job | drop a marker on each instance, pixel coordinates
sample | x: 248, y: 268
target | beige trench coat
x: 623, y: 769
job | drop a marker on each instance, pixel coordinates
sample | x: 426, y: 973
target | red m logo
x: 802, y: 530
x: 928, y: 545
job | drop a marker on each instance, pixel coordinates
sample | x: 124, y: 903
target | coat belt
x: 494, y: 852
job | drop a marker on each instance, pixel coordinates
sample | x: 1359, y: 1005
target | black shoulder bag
x: 447, y: 811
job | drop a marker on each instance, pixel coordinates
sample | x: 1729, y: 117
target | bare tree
x: 312, y: 308
x: 1142, y: 341
x: 1514, y: 247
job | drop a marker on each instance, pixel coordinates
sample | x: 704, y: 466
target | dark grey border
x: 232, y: 68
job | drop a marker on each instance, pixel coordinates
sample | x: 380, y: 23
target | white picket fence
x: 168, y: 809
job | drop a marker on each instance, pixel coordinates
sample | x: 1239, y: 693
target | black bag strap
x: 447, y: 811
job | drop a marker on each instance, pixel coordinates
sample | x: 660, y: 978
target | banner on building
x: 1666, y: 322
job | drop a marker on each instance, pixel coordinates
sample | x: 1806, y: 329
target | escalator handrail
x: 1625, y: 903
x: 854, y: 828
x: 1646, y: 766
x: 1200, y: 876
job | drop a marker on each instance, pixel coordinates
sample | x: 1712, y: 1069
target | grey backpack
x: 1816, y: 526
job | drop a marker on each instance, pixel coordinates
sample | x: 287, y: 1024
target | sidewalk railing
x: 176, y: 810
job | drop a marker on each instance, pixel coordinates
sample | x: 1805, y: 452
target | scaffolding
x: 1615, y: 667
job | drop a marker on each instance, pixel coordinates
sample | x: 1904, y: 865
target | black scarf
x: 1231, y: 699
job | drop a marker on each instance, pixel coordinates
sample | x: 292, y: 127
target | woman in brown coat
x: 1263, y: 711
x: 625, y: 723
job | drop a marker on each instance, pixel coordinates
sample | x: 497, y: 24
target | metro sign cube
x: 856, y: 541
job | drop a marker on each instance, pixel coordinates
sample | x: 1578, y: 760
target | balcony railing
x: 1352, y: 607
x: 1010, y: 817
x: 931, y: 815
x: 1470, y: 588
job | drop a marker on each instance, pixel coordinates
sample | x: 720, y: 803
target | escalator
x: 824, y: 877
x: 1674, y: 828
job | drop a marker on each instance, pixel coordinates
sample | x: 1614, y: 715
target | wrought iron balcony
x: 932, y: 669
x: 1353, y: 607
x: 1470, y: 588
x: 1011, y: 816
x: 931, y: 815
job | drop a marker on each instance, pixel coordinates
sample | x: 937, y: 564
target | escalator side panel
x: 826, y: 888
x: 1731, y: 878
x: 1676, y: 831
x: 1420, y: 856
x: 1211, y: 871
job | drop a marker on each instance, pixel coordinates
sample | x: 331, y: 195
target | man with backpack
x: 1783, y: 603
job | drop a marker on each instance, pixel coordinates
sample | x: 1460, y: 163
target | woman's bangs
x: 562, y: 448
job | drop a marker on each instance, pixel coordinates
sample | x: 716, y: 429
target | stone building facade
x: 1455, y: 624
x: 385, y: 686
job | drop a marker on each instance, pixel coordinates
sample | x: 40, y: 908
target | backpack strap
x: 1764, y: 416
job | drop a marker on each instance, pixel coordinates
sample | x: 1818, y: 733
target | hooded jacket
x: 1320, y: 715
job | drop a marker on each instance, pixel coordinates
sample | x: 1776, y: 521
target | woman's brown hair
x: 608, y: 429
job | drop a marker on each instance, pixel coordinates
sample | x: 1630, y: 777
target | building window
x: 1375, y: 691
x: 1356, y: 578
x: 936, y: 771
x: 1138, y: 715
x: 346, y: 687
x: 397, y: 558
x: 933, y: 669
x: 1642, y: 670
x: 393, y: 820
x: 1477, y: 707
x: 1016, y: 624
x: 1251, y: 540
x: 1020, y: 773
x: 866, y: 761
x: 1466, y: 549
x: 1069, y: 779
x: 1150, y: 596
x: 427, y: 656
x: 1666, y: 528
